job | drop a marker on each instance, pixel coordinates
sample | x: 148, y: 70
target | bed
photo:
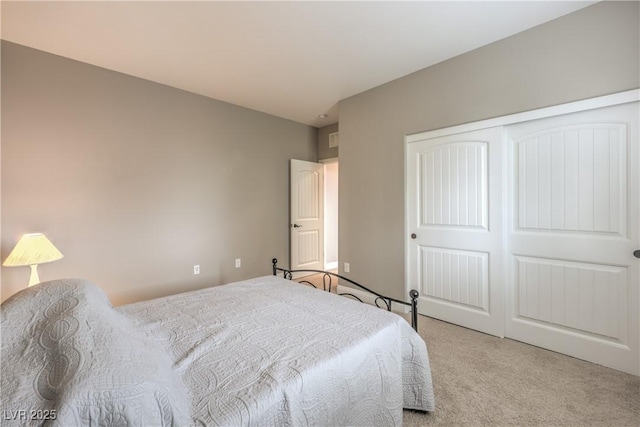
x: 265, y: 351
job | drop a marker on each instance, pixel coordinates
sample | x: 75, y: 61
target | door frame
x: 326, y: 162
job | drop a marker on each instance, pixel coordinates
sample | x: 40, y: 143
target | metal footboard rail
x: 327, y: 286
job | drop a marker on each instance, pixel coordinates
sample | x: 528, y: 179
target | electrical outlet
x: 346, y: 267
x: 238, y: 263
x: 196, y: 269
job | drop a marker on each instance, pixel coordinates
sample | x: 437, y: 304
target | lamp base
x: 34, y: 279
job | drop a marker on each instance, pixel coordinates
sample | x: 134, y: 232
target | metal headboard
x: 327, y: 277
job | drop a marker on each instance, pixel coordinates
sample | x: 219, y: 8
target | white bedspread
x: 271, y: 352
x: 265, y: 352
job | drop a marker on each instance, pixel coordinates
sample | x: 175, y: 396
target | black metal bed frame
x: 327, y: 285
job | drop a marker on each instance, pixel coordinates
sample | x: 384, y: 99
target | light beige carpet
x: 480, y: 380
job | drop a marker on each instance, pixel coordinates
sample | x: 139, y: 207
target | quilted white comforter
x: 260, y: 352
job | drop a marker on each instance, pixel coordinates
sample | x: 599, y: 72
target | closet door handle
x: 636, y: 253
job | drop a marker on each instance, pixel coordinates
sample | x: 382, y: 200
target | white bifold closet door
x: 529, y: 230
x: 573, y: 279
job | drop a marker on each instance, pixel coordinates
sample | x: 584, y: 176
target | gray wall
x: 136, y: 182
x: 324, y: 152
x: 592, y: 52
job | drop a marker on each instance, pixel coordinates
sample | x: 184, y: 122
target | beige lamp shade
x: 32, y: 249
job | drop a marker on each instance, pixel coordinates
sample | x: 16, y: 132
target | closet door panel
x: 572, y: 283
x: 455, y: 202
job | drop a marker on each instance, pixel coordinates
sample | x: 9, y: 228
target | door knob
x: 296, y: 225
x: 413, y: 235
x: 636, y: 253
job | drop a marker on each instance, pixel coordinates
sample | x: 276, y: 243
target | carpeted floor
x: 480, y: 380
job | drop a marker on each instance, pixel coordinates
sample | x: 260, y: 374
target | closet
x: 525, y: 227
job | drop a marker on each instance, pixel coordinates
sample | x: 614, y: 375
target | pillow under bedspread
x: 70, y: 359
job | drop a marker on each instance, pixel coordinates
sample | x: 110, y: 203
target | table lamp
x: 32, y: 249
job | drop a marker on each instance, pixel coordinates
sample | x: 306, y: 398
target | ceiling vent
x: 334, y: 139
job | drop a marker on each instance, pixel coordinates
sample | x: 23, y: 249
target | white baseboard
x: 368, y: 298
x: 331, y: 265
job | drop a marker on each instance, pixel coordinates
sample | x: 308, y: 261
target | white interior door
x: 573, y: 279
x: 307, y: 215
x: 454, y: 221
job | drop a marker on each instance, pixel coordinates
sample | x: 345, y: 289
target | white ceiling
x: 291, y: 59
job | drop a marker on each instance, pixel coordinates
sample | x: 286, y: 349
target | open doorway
x: 331, y: 215
x: 314, y: 215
